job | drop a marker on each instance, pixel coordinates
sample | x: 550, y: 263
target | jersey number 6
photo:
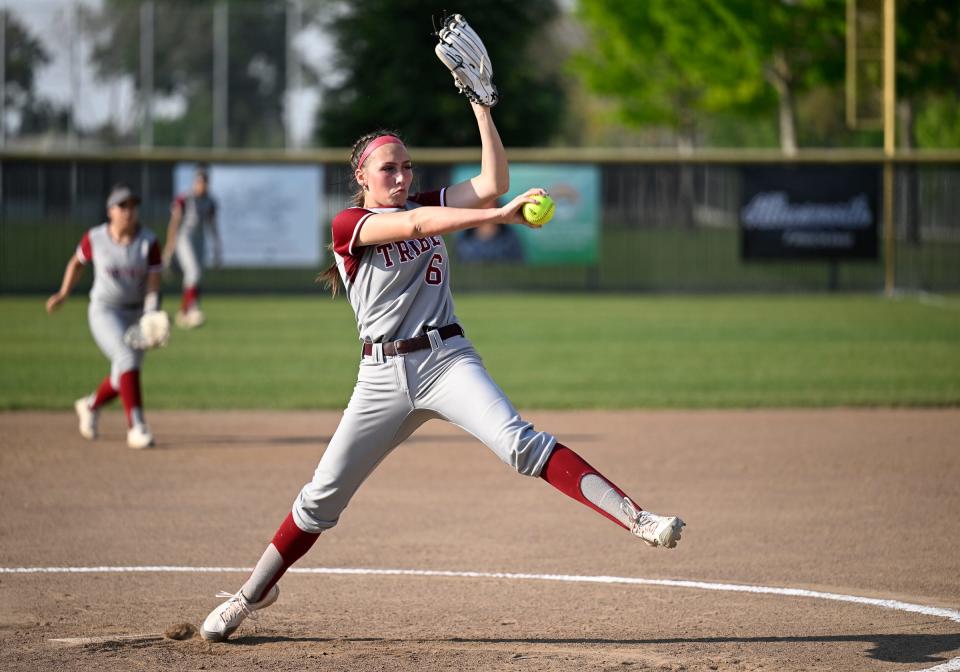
x: 434, y: 274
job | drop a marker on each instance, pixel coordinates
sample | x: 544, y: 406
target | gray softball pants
x: 107, y: 324
x: 190, y: 259
x: 392, y: 398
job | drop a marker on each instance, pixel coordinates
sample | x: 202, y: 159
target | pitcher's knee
x: 318, y: 508
x: 527, y: 451
x: 121, y: 365
x: 308, y: 521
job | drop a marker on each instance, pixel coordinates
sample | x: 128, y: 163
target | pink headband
x: 377, y: 143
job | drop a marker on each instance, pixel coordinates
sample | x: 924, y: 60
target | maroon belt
x: 403, y: 346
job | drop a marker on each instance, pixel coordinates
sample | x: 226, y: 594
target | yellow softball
x: 538, y: 214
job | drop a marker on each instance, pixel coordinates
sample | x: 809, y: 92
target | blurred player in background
x: 489, y: 243
x: 193, y: 216
x: 127, y: 267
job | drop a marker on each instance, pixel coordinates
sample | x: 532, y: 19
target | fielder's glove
x: 462, y: 51
x: 151, y: 331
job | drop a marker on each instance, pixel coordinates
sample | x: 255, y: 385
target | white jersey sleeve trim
x: 443, y: 197
x: 81, y: 257
x: 356, y: 233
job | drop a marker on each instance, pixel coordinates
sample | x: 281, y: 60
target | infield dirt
x: 859, y: 502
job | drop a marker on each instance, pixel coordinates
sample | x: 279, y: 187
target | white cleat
x: 226, y: 618
x: 191, y: 319
x: 139, y: 437
x: 87, y: 417
x: 653, y: 529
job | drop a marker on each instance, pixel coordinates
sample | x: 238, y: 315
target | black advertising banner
x: 809, y: 211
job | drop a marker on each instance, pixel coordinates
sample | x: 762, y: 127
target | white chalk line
x: 84, y: 641
x: 952, y: 665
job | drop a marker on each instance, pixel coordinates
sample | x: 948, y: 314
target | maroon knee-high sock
x: 105, y: 393
x: 565, y: 470
x: 190, y: 296
x: 289, y: 544
x: 131, y: 397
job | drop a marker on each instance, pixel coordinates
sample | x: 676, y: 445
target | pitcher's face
x: 387, y: 175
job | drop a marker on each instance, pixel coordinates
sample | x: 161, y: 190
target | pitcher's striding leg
x: 573, y: 476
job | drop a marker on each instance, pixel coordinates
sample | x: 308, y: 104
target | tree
x: 927, y: 71
x: 674, y: 62
x: 23, y: 56
x: 799, y: 45
x: 664, y: 63
x: 388, y: 75
x: 184, y: 59
x: 928, y: 68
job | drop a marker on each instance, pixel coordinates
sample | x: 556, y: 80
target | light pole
x: 889, y: 143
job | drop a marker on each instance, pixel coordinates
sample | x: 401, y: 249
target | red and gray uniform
x: 401, y: 290
x: 119, y: 288
x: 396, y: 289
x: 197, y: 214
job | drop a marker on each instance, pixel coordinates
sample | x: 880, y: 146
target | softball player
x: 126, y: 283
x: 416, y: 362
x: 192, y: 217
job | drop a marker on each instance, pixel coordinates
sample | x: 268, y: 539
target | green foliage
x: 642, y: 57
x: 193, y: 129
x: 928, y: 69
x: 545, y: 351
x: 822, y: 119
x: 183, y: 64
x: 23, y: 56
x: 389, y: 76
x: 675, y: 63
x: 809, y: 34
x: 928, y: 47
x: 730, y: 129
x: 696, y: 65
x: 938, y: 124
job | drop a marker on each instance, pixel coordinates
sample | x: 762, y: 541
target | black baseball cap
x: 121, y: 193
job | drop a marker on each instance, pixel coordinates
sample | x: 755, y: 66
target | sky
x: 97, y: 102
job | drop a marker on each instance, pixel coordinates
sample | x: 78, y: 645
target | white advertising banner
x: 268, y: 215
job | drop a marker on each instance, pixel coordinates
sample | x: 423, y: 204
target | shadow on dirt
x: 175, y: 441
x: 893, y: 648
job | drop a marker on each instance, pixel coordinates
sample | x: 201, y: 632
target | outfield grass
x: 545, y: 351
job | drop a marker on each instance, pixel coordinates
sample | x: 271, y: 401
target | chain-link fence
x: 662, y: 226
